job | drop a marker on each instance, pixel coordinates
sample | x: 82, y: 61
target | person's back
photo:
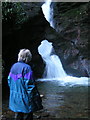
x: 22, y: 89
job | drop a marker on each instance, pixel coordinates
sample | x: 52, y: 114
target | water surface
x: 59, y: 101
x: 64, y: 101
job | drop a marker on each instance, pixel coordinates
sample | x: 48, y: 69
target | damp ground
x: 58, y: 102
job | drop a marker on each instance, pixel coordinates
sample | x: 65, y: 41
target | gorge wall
x: 24, y: 26
x: 72, y: 22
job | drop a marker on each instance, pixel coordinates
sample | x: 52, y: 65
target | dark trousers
x: 23, y: 116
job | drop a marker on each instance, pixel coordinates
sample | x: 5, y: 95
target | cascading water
x: 54, y: 69
x: 48, y: 12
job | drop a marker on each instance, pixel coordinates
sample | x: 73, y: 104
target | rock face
x: 24, y: 26
x: 71, y: 22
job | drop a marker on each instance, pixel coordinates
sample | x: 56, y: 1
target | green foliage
x: 13, y: 11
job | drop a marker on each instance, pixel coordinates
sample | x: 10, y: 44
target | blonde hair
x: 24, y: 55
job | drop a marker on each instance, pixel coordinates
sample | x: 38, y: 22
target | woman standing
x: 24, y: 96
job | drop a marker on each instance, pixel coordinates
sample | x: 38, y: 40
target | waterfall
x: 54, y: 67
x: 48, y: 12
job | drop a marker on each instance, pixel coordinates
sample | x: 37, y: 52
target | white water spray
x: 48, y: 12
x: 54, y: 69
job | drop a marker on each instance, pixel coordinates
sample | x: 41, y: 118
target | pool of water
x: 64, y: 101
x: 59, y: 101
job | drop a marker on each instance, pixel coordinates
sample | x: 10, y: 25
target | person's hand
x: 41, y: 96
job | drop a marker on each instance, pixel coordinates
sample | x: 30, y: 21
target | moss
x: 13, y: 12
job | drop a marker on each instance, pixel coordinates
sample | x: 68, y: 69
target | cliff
x: 71, y: 21
x: 24, y: 26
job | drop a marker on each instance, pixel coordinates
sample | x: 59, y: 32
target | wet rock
x: 23, y: 27
x: 71, y: 22
x: 45, y: 115
x: 36, y: 116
